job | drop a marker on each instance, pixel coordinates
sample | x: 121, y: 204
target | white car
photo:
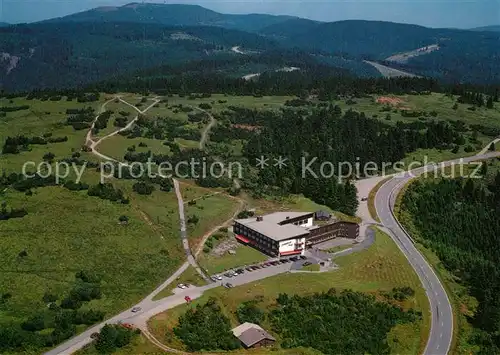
x: 218, y: 277
x: 136, y: 309
x: 182, y: 286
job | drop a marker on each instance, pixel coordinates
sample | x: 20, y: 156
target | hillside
x: 109, y: 42
x: 71, y: 54
x: 173, y: 15
x: 460, y: 51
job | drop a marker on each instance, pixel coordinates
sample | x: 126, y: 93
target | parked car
x: 136, y: 309
x: 182, y: 286
x: 254, y: 267
x: 303, y: 257
x: 307, y: 263
x: 294, y: 258
x: 218, y: 277
x: 263, y: 266
x: 364, y: 199
x: 228, y: 285
x: 240, y: 271
x: 249, y: 269
x: 275, y: 263
x: 227, y: 274
x: 213, y: 278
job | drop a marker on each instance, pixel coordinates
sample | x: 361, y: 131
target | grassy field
x: 188, y: 277
x: 116, y: 146
x: 245, y: 255
x: 43, y: 117
x: 211, y: 211
x: 440, y: 103
x: 66, y: 232
x: 190, y: 191
x: 312, y: 267
x: 381, y: 267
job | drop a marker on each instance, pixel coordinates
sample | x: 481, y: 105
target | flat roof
x: 270, y: 227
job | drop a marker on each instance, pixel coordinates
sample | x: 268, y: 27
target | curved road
x: 441, y: 333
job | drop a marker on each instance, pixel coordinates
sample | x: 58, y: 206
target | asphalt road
x: 441, y: 332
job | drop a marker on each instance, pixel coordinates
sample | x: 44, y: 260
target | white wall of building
x: 292, y: 244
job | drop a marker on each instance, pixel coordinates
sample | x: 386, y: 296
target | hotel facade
x: 289, y: 233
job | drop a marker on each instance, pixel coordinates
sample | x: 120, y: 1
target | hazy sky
x: 437, y: 13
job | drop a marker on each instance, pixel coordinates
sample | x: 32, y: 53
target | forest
x: 206, y: 328
x: 331, y: 322
x: 301, y: 137
x: 458, y: 219
x: 334, y: 322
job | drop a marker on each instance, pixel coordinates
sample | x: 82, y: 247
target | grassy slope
x: 381, y: 267
x: 245, y: 255
x: 42, y: 117
x: 211, y: 211
x: 65, y: 232
x: 442, y: 104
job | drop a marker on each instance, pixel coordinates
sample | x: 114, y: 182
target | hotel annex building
x: 289, y: 233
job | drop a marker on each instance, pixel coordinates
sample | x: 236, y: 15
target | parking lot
x: 259, y: 271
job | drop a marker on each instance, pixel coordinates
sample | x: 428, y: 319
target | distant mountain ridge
x: 106, y: 42
x: 494, y: 28
x: 173, y: 15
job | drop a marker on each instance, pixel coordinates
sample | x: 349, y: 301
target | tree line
x: 16, y: 144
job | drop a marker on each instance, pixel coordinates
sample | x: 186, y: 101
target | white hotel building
x: 290, y: 233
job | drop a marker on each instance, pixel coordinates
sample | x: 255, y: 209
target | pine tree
x: 489, y: 103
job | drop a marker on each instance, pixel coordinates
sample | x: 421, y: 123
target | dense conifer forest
x: 458, y: 219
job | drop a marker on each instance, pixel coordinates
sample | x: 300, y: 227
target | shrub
x: 49, y: 298
x: 249, y: 312
x: 193, y: 219
x: 205, y: 106
x: 143, y: 188
x: 468, y: 149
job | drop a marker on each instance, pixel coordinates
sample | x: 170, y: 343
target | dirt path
x: 184, y: 237
x: 208, y: 128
